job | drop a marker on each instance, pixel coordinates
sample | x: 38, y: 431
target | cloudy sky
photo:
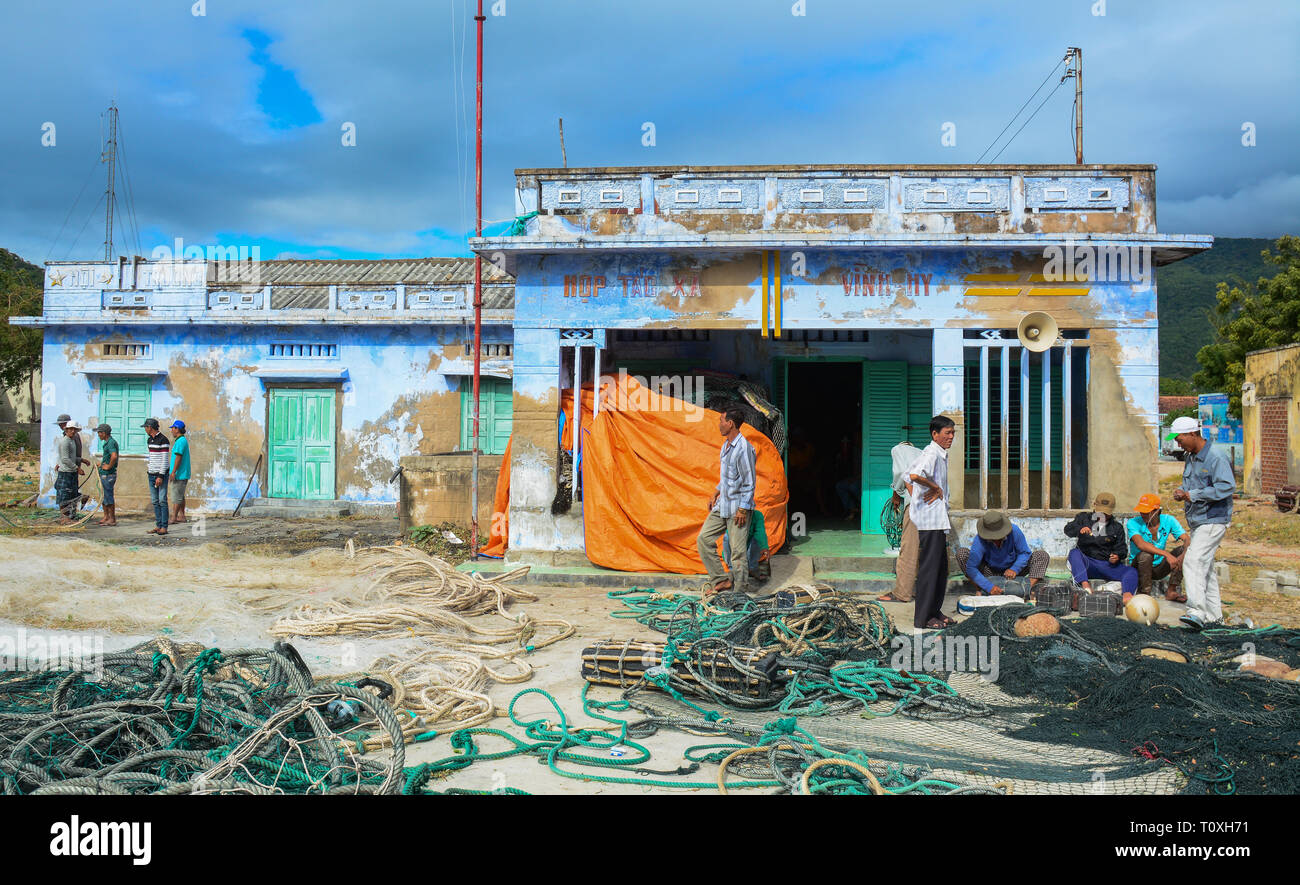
x: 233, y: 121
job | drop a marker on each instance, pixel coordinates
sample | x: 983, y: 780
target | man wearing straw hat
x: 1001, y: 552
x: 65, y: 485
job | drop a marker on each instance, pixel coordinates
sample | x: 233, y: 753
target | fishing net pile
x: 1099, y: 685
x: 806, y: 651
x: 163, y: 718
x: 726, y: 392
x: 458, y: 655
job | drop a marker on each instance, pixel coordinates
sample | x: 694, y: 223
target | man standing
x: 729, y: 507
x: 1208, y: 487
x: 903, y: 456
x: 62, y: 421
x: 930, y: 516
x: 180, y: 470
x: 1000, y: 550
x: 1150, y: 537
x: 1102, y: 547
x: 156, y: 467
x: 65, y: 485
x: 108, y: 454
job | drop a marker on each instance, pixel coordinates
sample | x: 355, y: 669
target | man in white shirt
x: 903, y: 456
x: 929, y: 512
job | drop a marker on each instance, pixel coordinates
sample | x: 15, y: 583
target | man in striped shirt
x: 730, y: 506
x: 156, y: 466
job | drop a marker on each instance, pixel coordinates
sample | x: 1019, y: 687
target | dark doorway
x: 824, y: 456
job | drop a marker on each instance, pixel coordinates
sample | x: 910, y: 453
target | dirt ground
x: 224, y: 582
x: 1260, y: 538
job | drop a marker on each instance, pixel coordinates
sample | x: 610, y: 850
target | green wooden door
x: 300, y: 444
x: 885, y: 415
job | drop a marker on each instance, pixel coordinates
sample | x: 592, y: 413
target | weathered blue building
x: 330, y: 371
x: 864, y: 299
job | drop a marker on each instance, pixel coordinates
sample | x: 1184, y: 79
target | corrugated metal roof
x: 385, y: 271
x: 300, y: 298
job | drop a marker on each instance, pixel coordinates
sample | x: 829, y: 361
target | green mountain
x: 1185, y: 297
x: 16, y: 272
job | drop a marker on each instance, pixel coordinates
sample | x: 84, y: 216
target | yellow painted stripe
x: 1041, y: 278
x: 1041, y: 293
x: 776, y: 267
x: 764, y: 261
x: 992, y: 278
x: 993, y: 292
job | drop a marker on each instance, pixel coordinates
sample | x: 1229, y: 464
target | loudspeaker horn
x: 1037, y: 331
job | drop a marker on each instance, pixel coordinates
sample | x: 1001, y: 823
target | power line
x: 1022, y: 107
x: 1027, y: 122
x: 49, y: 252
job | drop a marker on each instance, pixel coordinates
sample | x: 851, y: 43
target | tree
x: 1251, y: 318
x: 1176, y: 387
x: 21, y: 294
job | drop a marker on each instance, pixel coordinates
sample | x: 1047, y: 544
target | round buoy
x: 1269, y: 668
x: 1142, y: 609
x: 1039, y: 624
x: 1165, y: 654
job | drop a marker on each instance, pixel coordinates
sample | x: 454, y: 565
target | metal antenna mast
x: 109, y: 156
x: 1077, y: 72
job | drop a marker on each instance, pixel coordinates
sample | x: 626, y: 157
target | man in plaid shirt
x: 730, y: 506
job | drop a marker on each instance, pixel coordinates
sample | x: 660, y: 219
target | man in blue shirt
x: 180, y: 470
x: 1001, y: 551
x: 1151, y: 547
x: 1207, y: 490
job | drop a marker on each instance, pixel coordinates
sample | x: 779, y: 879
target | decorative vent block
x: 293, y: 349
x: 127, y: 351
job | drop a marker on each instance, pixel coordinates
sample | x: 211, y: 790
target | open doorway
x: 824, y: 456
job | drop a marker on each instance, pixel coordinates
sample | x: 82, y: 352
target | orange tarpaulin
x: 649, y: 467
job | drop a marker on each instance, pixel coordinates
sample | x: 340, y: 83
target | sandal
x: 1175, y: 596
x: 890, y: 597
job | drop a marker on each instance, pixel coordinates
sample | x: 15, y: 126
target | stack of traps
x: 623, y: 664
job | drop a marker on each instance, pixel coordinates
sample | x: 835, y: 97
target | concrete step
x: 294, y: 508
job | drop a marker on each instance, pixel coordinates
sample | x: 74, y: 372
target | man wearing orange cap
x: 1151, y: 550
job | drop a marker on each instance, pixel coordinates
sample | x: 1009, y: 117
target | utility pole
x: 564, y: 157
x: 478, y: 275
x: 1077, y: 72
x: 109, y: 156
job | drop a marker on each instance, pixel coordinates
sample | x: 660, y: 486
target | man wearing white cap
x: 1208, y: 487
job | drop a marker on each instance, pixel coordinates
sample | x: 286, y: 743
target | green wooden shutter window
x: 124, y: 404
x: 886, y: 408
x: 495, y: 415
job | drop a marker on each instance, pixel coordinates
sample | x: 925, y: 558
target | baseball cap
x: 151, y: 423
x: 104, y: 427
x: 178, y: 424
x: 63, y: 419
x: 1104, y: 503
x: 1183, y: 425
x: 1148, y: 502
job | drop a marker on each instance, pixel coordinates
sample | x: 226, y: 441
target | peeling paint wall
x: 399, y: 394
x: 1275, y: 374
